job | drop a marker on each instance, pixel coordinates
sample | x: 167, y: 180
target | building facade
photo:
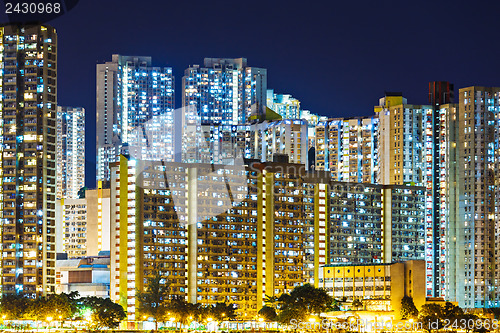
x: 70, y: 151
x: 226, y: 91
x: 225, y: 144
x: 361, y: 223
x: 130, y: 92
x: 381, y: 287
x: 282, y: 137
x: 237, y: 234
x: 477, y: 141
x: 410, y: 141
x: 348, y: 148
x: 312, y: 122
x: 83, y: 224
x: 284, y: 105
x: 28, y: 56
x: 89, y: 276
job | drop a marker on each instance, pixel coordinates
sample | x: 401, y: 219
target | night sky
x: 336, y: 57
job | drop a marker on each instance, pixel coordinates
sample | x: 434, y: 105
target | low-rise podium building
x: 380, y: 287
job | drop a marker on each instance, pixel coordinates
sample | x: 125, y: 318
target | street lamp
x: 49, y: 320
x: 209, y: 320
x: 312, y: 320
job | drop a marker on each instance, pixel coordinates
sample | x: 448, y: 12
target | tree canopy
x: 153, y: 300
x: 103, y: 312
x: 357, y: 304
x: 408, y: 308
x: 302, y: 302
x: 432, y: 315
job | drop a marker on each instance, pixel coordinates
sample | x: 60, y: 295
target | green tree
x: 271, y: 301
x: 153, y: 301
x: 59, y: 306
x: 185, y: 312
x: 495, y: 312
x: 197, y: 312
x: 289, y: 313
x: 37, y: 309
x: 464, y: 318
x: 431, y: 316
x: 451, y: 311
x: 302, y: 302
x: 431, y: 309
x: 268, y: 313
x: 81, y: 192
x: 104, y: 312
x: 335, y: 306
x: 222, y: 311
x: 408, y: 308
x: 356, y: 304
x: 14, y: 307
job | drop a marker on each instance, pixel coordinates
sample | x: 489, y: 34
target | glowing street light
x: 49, y: 320
x: 312, y: 320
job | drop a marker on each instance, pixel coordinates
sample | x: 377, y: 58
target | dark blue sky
x: 336, y: 57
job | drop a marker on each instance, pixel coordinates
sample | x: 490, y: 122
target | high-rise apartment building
x: 407, y: 156
x: 478, y: 152
x: 226, y: 91
x: 348, y: 148
x: 284, y: 105
x: 130, y: 92
x: 448, y: 223
x: 70, y: 151
x: 347, y: 222
x: 222, y: 144
x: 288, y: 107
x: 219, y: 144
x: 83, y: 224
x: 418, y: 147
x: 312, y: 122
x: 281, y: 137
x: 28, y: 57
x: 220, y: 233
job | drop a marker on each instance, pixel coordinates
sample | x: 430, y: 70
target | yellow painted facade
x: 380, y: 287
